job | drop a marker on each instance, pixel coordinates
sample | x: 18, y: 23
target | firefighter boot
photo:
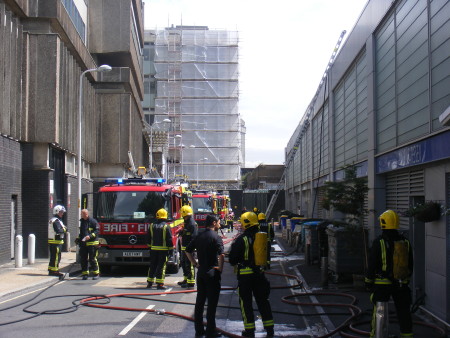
x: 160, y: 286
x: 55, y: 273
x: 270, y: 332
x: 248, y: 333
x: 149, y: 285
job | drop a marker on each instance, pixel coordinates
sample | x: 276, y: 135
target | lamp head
x: 104, y: 68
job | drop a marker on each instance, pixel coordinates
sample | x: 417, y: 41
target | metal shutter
x: 400, y: 187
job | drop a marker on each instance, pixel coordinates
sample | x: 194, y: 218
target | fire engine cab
x: 204, y: 203
x: 223, y: 208
x: 125, y: 208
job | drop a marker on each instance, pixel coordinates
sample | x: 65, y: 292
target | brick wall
x: 36, y: 203
x: 10, y: 183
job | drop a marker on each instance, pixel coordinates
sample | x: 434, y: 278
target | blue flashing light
x: 135, y: 180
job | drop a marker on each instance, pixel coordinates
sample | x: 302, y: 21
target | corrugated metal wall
x: 350, y: 116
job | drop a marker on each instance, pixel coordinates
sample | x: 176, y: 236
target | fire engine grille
x: 125, y: 239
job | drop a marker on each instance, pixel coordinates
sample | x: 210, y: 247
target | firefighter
x: 266, y: 227
x: 230, y: 220
x: 210, y: 253
x: 190, y: 230
x: 251, y: 278
x: 256, y: 211
x: 389, y: 271
x: 88, y: 243
x: 56, y: 231
x: 160, y: 244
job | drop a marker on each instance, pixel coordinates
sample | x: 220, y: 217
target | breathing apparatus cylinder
x: 382, y: 320
x: 260, y: 248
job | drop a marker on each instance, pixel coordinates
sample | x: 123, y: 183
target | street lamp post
x: 182, y: 162
x: 174, y: 153
x: 102, y: 68
x: 202, y: 159
x: 151, y: 140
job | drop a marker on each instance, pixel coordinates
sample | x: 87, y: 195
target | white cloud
x: 284, y: 50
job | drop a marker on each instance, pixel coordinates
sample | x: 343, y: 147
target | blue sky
x: 284, y: 45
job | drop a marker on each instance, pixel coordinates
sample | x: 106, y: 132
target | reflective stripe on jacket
x: 89, y: 227
x: 380, y: 269
x: 160, y: 237
x: 56, y: 231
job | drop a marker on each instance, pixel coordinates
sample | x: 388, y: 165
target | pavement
x: 14, y: 280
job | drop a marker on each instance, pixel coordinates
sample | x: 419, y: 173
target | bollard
x: 67, y: 242
x: 31, y: 248
x: 18, y: 251
x: 382, y: 320
x: 324, y: 271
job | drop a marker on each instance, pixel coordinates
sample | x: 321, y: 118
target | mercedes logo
x: 132, y: 239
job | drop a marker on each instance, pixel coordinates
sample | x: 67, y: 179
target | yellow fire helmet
x: 261, y: 216
x: 249, y: 219
x: 389, y: 220
x: 161, y: 214
x: 186, y: 210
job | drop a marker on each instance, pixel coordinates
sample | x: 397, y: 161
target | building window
x: 75, y: 16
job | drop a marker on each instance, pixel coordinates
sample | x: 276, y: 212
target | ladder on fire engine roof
x: 304, y: 123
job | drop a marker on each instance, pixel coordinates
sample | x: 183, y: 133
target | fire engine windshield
x: 201, y: 205
x: 130, y: 205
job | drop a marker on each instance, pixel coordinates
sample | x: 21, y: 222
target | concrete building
x: 44, y: 48
x: 264, y: 176
x: 191, y: 81
x: 379, y: 108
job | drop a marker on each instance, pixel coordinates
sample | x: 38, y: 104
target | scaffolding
x: 197, y: 88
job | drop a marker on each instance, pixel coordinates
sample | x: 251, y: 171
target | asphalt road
x: 54, y: 310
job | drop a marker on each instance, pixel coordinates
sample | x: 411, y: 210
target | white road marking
x: 167, y: 290
x: 135, y: 321
x: 29, y: 293
x: 25, y: 294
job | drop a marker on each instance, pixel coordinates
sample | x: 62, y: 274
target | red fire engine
x: 204, y: 203
x: 125, y: 209
x: 223, y: 208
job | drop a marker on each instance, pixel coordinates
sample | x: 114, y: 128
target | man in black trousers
x: 210, y: 255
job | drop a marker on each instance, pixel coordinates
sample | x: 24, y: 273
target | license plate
x: 132, y: 254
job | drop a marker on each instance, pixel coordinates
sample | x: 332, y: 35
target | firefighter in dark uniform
x: 88, y: 243
x: 160, y: 244
x: 251, y: 278
x: 209, y: 247
x: 389, y: 271
x: 266, y: 227
x: 56, y: 231
x: 190, y: 230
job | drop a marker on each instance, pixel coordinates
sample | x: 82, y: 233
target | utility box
x: 346, y: 250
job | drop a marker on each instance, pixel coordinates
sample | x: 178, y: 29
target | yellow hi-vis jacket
x: 56, y: 231
x: 160, y: 236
